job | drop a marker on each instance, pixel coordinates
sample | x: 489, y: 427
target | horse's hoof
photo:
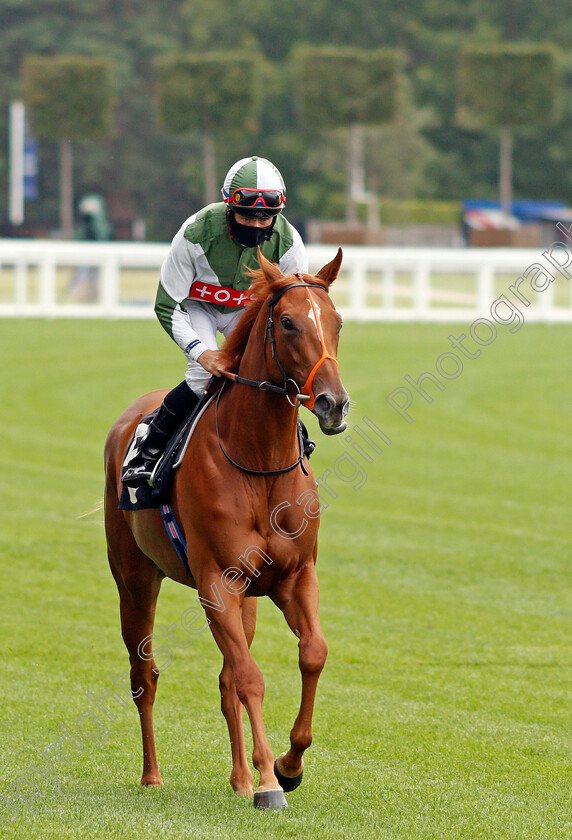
x: 274, y: 799
x: 152, y: 781
x: 243, y: 790
x: 287, y: 783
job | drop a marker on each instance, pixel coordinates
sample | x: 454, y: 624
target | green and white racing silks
x: 252, y: 173
x: 204, y: 261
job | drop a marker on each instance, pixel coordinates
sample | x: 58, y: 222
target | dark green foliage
x: 507, y: 85
x: 208, y: 92
x: 144, y: 172
x: 69, y: 97
x: 339, y: 86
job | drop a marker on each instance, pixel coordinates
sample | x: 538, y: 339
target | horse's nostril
x: 324, y: 404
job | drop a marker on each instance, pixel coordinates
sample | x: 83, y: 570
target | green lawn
x: 444, y: 708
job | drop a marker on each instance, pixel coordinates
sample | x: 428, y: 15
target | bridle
x: 306, y: 388
x: 304, y: 394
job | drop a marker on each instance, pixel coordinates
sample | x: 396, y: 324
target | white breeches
x: 207, y: 322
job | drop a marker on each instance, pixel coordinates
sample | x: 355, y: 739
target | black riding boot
x: 175, y: 408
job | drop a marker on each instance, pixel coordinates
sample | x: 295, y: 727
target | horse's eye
x: 287, y: 323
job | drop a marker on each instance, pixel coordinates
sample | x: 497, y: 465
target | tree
x: 507, y: 86
x: 352, y: 88
x: 160, y: 177
x: 69, y: 98
x: 211, y: 93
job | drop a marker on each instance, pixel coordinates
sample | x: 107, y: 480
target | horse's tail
x: 98, y: 506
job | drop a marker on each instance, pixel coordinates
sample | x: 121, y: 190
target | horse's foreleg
x: 138, y: 594
x: 241, y: 777
x: 229, y: 633
x: 299, y: 603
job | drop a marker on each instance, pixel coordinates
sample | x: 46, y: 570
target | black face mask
x: 247, y: 236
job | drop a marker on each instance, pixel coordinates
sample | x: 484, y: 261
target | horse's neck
x: 261, y: 425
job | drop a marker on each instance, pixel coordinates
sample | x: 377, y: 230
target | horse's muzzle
x: 331, y: 412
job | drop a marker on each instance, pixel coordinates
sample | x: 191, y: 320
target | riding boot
x: 174, y: 409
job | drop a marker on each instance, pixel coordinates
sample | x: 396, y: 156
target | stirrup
x: 142, y: 463
x: 307, y: 445
x: 135, y: 475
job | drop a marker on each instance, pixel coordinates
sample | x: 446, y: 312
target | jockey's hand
x: 212, y: 362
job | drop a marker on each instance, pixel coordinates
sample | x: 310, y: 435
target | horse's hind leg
x: 139, y: 582
x: 241, y: 778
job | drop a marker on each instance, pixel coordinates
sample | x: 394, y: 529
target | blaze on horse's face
x: 307, y: 328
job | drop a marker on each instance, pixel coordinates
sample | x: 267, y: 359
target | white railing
x: 45, y: 278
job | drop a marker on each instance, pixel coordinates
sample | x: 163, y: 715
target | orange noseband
x: 306, y: 388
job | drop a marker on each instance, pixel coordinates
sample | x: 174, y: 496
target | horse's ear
x: 330, y: 271
x: 271, y: 271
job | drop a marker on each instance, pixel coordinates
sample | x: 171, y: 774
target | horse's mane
x: 260, y: 291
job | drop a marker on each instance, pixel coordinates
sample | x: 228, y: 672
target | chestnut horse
x: 246, y: 502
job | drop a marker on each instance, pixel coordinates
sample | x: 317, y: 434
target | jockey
x: 204, y: 287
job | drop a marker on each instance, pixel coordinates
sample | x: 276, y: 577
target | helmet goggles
x: 256, y: 202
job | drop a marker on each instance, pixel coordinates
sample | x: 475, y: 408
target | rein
x: 304, y: 394
x: 298, y: 462
x: 266, y: 386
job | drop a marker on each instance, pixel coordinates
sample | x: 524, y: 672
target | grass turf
x: 443, y: 711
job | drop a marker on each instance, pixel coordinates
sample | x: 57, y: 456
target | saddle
x: 145, y: 496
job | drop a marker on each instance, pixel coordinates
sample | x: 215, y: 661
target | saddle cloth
x: 138, y: 498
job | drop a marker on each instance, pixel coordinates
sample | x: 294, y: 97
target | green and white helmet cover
x: 253, y: 173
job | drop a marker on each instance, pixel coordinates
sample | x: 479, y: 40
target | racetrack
x: 444, y: 562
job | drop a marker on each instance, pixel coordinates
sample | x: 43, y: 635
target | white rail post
x: 485, y: 287
x: 358, y: 290
x: 47, y: 279
x: 20, y: 282
x: 388, y: 288
x: 421, y: 289
x: 109, y: 292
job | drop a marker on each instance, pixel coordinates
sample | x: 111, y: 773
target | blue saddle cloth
x: 145, y: 496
